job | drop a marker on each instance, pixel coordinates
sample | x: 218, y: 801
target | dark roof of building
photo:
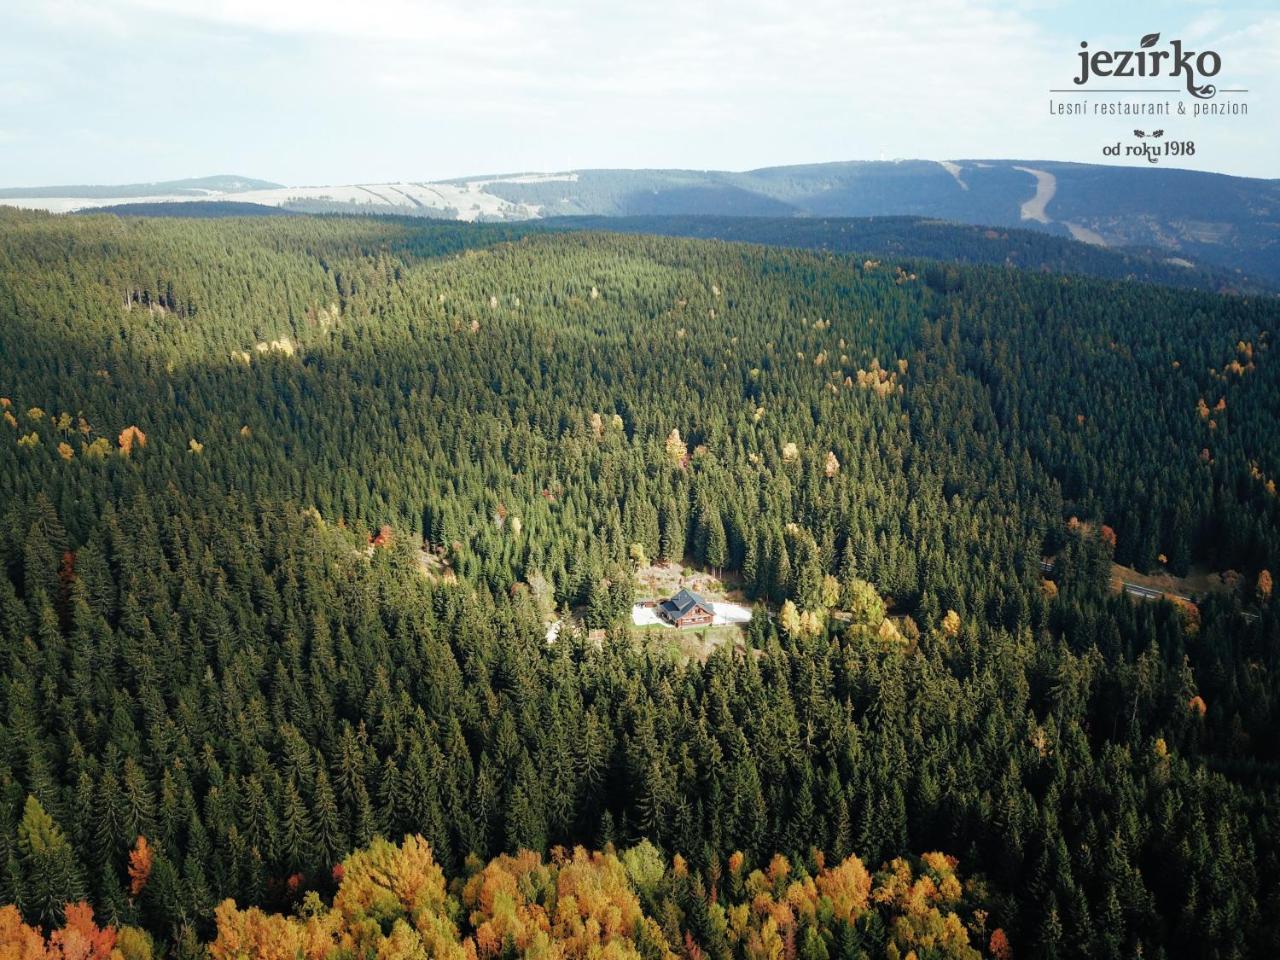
x: 682, y: 603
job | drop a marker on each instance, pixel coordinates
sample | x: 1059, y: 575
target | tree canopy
x: 285, y: 505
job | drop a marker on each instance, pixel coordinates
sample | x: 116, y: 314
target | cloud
x: 327, y: 90
x: 476, y: 27
x: 1253, y: 49
x: 670, y: 45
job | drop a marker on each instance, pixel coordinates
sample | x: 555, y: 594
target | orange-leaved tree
x: 140, y: 862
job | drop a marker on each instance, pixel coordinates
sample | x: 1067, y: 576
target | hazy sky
x: 322, y: 91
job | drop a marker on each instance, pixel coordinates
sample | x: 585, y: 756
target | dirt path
x: 1197, y: 583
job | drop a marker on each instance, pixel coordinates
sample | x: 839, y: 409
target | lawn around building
x: 657, y: 582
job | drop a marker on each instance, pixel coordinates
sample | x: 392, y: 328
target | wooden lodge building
x: 686, y: 609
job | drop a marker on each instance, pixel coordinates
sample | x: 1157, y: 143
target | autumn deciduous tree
x: 1189, y: 612
x: 575, y: 905
x: 864, y: 603
x: 789, y: 618
x: 921, y: 901
x: 391, y: 902
x: 677, y: 451
x: 131, y: 437
x: 847, y: 886
x: 79, y: 938
x: 17, y: 940
x: 583, y: 902
x: 1264, y: 585
x: 645, y: 866
x: 830, y: 591
x: 98, y: 449
x: 385, y: 880
x: 271, y: 936
x: 140, y: 863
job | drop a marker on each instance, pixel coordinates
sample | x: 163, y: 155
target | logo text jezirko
x: 1172, y: 61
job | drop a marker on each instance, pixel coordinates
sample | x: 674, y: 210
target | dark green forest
x: 892, y: 236
x: 922, y: 237
x: 1226, y: 221
x: 227, y: 442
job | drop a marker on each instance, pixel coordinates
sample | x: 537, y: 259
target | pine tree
x: 51, y: 875
x: 715, y: 546
x: 330, y: 842
x: 673, y: 538
x: 295, y: 832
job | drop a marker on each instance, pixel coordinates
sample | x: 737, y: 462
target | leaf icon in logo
x: 1139, y: 134
x: 1158, y: 133
x: 1150, y: 40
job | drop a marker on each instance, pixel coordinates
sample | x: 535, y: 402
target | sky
x: 309, y: 92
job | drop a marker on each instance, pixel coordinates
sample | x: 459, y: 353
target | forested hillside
x: 1224, y: 225
x: 1226, y: 221
x: 225, y: 442
x: 933, y: 239
x: 898, y: 237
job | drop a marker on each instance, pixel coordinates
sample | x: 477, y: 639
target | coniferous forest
x: 288, y: 504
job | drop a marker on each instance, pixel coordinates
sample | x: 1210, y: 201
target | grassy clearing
x: 1197, y: 582
x: 685, y: 645
x: 660, y: 580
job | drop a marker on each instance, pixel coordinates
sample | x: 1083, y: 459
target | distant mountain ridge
x: 192, y: 186
x: 1232, y: 223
